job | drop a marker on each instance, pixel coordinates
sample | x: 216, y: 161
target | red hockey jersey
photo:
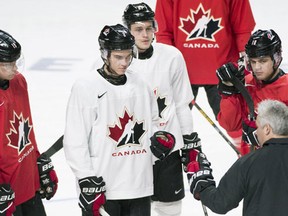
x: 233, y: 109
x: 18, y: 149
x: 209, y: 33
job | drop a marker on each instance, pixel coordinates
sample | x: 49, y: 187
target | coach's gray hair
x: 274, y: 113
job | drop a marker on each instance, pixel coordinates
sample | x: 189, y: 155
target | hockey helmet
x: 10, y: 49
x: 116, y: 37
x: 138, y: 12
x: 263, y: 43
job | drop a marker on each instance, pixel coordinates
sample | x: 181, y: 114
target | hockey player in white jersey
x: 111, y: 115
x: 164, y: 69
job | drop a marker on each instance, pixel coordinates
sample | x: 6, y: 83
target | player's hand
x: 226, y: 74
x: 7, y: 197
x: 162, y: 144
x: 48, y: 177
x: 192, y: 146
x: 199, y: 175
x: 91, y: 195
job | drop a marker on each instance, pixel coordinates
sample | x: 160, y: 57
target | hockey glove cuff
x: 192, y: 146
x: 48, y: 177
x: 7, y: 197
x: 162, y: 143
x: 91, y: 195
x: 199, y: 175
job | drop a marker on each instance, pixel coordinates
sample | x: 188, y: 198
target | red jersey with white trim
x: 18, y: 148
x: 209, y: 33
x: 233, y: 109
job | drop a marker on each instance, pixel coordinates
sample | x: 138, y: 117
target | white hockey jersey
x: 166, y: 74
x: 108, y: 130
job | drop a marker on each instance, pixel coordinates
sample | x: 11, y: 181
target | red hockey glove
x: 199, y: 175
x: 162, y: 144
x: 48, y: 177
x: 7, y: 197
x: 192, y: 146
x: 91, y: 195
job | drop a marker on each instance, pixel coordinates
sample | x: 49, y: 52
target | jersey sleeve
x: 229, y: 192
x: 79, y: 120
x: 182, y: 95
x: 163, y: 15
x: 230, y: 116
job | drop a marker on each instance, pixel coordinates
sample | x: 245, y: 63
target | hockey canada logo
x: 19, y: 133
x: 127, y: 131
x: 200, y: 24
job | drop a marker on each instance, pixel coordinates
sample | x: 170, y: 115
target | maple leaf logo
x: 19, y: 133
x: 127, y: 131
x: 200, y: 25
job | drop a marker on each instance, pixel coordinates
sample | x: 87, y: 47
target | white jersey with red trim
x: 108, y: 130
x: 166, y: 74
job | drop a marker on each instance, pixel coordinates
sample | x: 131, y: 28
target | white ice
x: 67, y: 31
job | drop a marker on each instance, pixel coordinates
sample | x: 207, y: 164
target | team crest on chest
x: 127, y: 130
x: 200, y: 24
x: 19, y: 133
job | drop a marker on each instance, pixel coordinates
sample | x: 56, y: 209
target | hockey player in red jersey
x: 266, y: 81
x: 201, y: 30
x: 25, y: 175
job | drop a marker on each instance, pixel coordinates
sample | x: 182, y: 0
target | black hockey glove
x: 192, y: 146
x: 91, y: 195
x: 7, y: 197
x: 226, y: 74
x: 199, y: 175
x: 249, y: 136
x: 162, y: 143
x: 48, y: 177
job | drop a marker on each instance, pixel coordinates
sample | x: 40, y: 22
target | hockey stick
x: 103, y: 212
x: 216, y: 128
x: 55, y: 147
x: 204, y: 209
x: 247, y: 97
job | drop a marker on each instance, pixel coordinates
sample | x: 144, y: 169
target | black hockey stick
x: 55, y: 147
x: 216, y: 128
x: 247, y: 97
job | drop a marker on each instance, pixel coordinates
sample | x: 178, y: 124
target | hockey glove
x: 7, y: 197
x: 48, y: 177
x: 249, y: 135
x: 192, y: 146
x: 199, y: 175
x: 226, y: 74
x: 91, y: 195
x: 162, y: 144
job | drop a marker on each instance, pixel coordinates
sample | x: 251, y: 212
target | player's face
x: 8, y: 70
x: 143, y: 33
x: 119, y: 60
x: 262, y: 67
